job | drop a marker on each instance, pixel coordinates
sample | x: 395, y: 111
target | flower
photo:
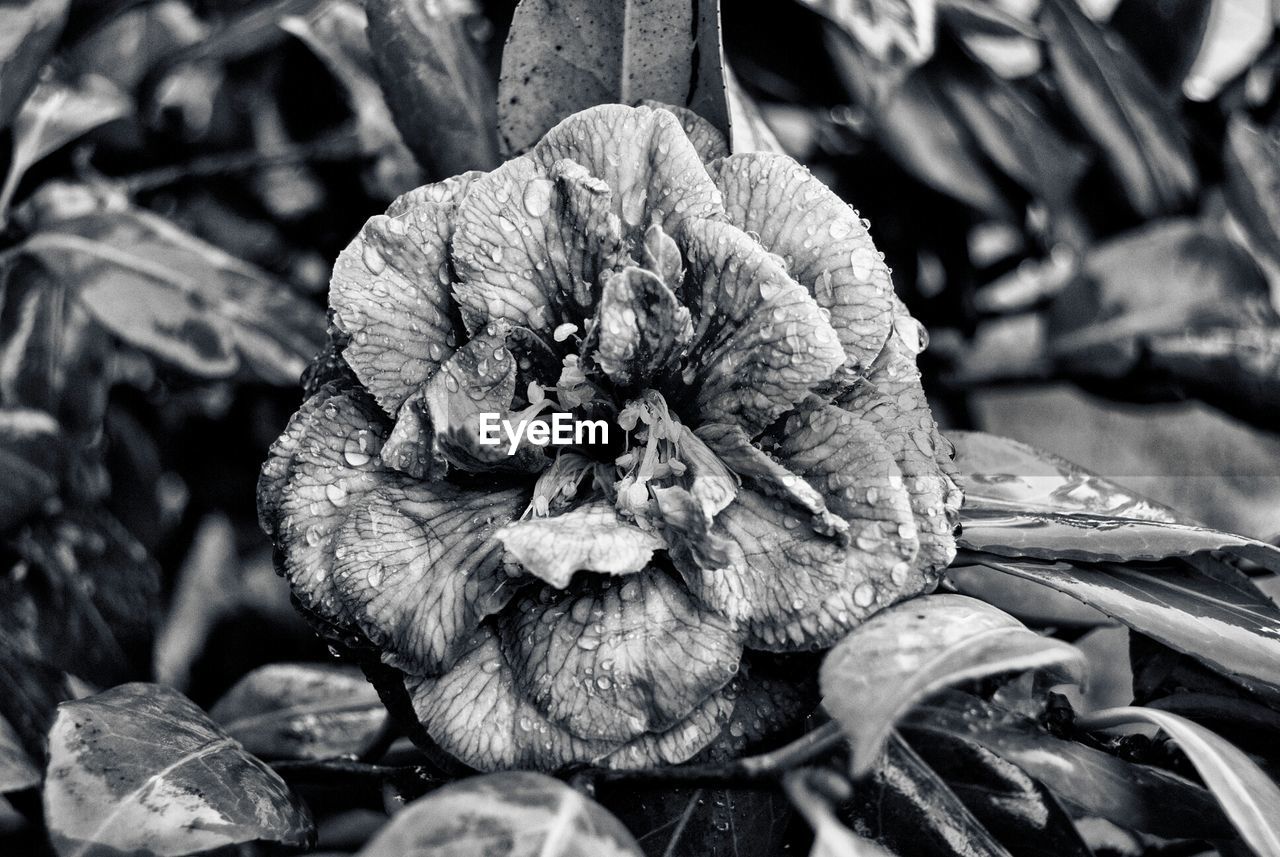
x: 774, y: 475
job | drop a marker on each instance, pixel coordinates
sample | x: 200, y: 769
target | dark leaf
x: 1028, y: 601
x: 1252, y: 161
x: 504, y: 815
x: 1235, y: 369
x: 1163, y: 278
x: 749, y: 132
x: 1234, y: 633
x: 180, y: 299
x: 699, y: 822
x: 1005, y: 40
x: 302, y: 711
x: 1248, y: 796
x: 54, y: 115
x: 884, y: 39
x: 1018, y: 810
x: 140, y: 770
x: 874, y: 675
x: 830, y: 837
x: 710, y: 96
x: 31, y: 28
x: 1087, y: 781
x: 32, y: 691
x: 33, y: 455
x: 17, y: 772
x: 439, y: 90
x: 1114, y: 99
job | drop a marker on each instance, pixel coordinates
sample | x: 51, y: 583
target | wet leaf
x: 1029, y: 602
x: 139, y: 769
x: 302, y: 711
x: 179, y: 299
x: 901, y: 655
x: 1164, y: 278
x: 504, y: 815
x: 1001, y: 473
x: 439, y: 91
x: 1252, y: 160
x: 1089, y: 782
x: 1115, y: 100
x: 699, y: 822
x: 1233, y: 632
x: 1248, y: 796
x: 31, y: 29
x: 54, y: 115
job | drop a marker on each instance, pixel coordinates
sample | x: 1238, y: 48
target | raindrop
x: 336, y: 492
x: 840, y: 228
x: 354, y: 451
x: 373, y: 259
x: 912, y: 333
x: 589, y: 644
x: 864, y: 595
x: 537, y: 197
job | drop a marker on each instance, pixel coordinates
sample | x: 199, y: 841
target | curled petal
x: 612, y: 662
x: 591, y: 538
x: 827, y: 247
x: 417, y: 569
x: 709, y: 142
x: 760, y: 343
x: 642, y: 329
x: 390, y: 293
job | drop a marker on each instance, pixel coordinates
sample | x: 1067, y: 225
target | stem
x: 337, y: 147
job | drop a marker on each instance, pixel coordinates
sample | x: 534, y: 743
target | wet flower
x: 772, y: 477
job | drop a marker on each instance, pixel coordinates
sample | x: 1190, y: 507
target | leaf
x: 179, y: 299
x: 17, y: 772
x: 567, y: 55
x: 440, y: 93
x: 1027, y: 601
x: 1163, y: 278
x: 905, y: 653
x: 302, y: 711
x: 672, y: 821
x: 139, y: 769
x: 1000, y: 473
x: 1095, y: 538
x: 1252, y: 161
x: 1235, y: 369
x: 1229, y: 630
x: 1237, y: 32
x: 32, y: 691
x: 830, y: 837
x: 885, y: 39
x: 30, y: 31
x: 1248, y: 796
x: 1114, y: 99
x: 504, y: 815
x: 54, y: 115
x: 1088, y: 781
x: 33, y: 455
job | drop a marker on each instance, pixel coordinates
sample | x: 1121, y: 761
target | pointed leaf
x: 30, y: 31
x: 515, y: 814
x: 903, y: 654
x: 1249, y: 797
x: 140, y: 770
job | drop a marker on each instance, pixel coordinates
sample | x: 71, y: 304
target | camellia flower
x: 772, y: 474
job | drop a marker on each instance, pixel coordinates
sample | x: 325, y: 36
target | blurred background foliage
x: 1081, y: 200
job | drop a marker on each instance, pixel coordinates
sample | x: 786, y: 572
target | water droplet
x: 537, y: 197
x: 373, y: 259
x: 864, y: 595
x: 840, y: 228
x: 354, y: 450
x: 604, y: 682
x: 490, y: 667
x: 912, y: 333
x: 589, y: 644
x: 336, y: 493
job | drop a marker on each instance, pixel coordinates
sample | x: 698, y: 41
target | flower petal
x: 827, y: 247
x: 761, y: 343
x: 390, y: 293
x: 591, y: 537
x: 707, y: 141
x: 417, y: 568
x: 611, y: 662
x: 892, y: 399
x: 642, y: 328
x: 791, y: 588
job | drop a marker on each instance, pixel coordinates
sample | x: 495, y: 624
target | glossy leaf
x: 903, y: 654
x: 1115, y: 100
x: 504, y: 815
x: 1001, y: 473
x: 302, y: 711
x: 140, y: 770
x: 1028, y: 601
x: 178, y: 298
x: 1089, y: 782
x: 1252, y: 161
x: 440, y: 93
x: 54, y: 115
x: 1233, y: 633
x: 1248, y: 796
x: 1164, y: 278
x: 566, y: 55
x: 671, y: 821
x: 31, y: 29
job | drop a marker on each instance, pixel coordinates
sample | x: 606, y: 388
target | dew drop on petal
x: 336, y: 493
x: 840, y: 228
x: 537, y: 197
x: 354, y: 451
x: 912, y: 333
x: 864, y: 595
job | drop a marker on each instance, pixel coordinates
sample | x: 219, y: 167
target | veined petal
x: 826, y: 246
x: 760, y: 342
x: 642, y: 328
x: 417, y: 568
x: 707, y: 141
x: 611, y: 662
x: 390, y: 293
x: 591, y: 537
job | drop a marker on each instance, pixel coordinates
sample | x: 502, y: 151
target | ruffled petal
x: 417, y: 568
x: 709, y: 143
x: 760, y: 342
x: 390, y: 293
x: 611, y: 662
x: 892, y: 399
x: 791, y: 588
x: 642, y: 328
x: 826, y: 246
x: 591, y: 537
